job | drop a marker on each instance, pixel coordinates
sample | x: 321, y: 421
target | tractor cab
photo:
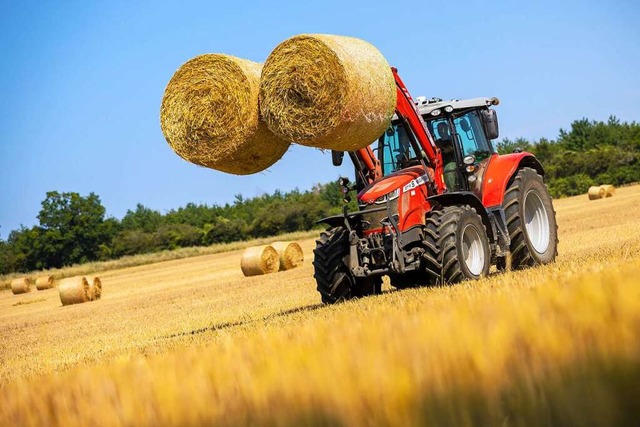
x: 463, y: 130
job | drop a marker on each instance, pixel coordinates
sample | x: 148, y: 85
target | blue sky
x: 81, y: 83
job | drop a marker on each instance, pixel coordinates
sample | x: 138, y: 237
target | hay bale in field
x: 74, y: 290
x: 95, y: 288
x: 290, y: 254
x: 609, y: 190
x: 45, y: 282
x: 327, y: 91
x: 259, y: 260
x: 21, y: 285
x: 596, y: 193
x: 210, y: 116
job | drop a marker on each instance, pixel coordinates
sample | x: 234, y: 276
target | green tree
x: 72, y: 229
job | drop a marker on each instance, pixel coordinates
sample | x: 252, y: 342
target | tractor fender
x: 465, y: 198
x: 500, y: 173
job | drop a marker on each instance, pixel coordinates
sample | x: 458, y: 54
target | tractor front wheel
x: 333, y: 278
x: 465, y: 253
x: 531, y: 220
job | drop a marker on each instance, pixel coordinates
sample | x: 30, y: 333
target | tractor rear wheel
x: 333, y: 278
x: 464, y: 246
x: 531, y: 220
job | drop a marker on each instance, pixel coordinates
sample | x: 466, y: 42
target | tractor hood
x: 378, y: 189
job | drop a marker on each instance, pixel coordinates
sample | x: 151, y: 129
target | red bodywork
x: 497, y: 176
x: 412, y: 203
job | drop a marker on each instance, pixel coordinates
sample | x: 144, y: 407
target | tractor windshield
x: 472, y: 138
x: 394, y: 150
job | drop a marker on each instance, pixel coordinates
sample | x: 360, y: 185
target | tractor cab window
x: 394, y: 150
x: 471, y: 133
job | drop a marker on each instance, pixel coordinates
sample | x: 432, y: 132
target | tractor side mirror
x: 336, y: 157
x: 490, y: 122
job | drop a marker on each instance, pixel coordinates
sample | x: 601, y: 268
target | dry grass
x: 557, y: 345
x: 45, y: 282
x: 327, y: 91
x: 609, y: 190
x: 290, y: 253
x: 596, y: 192
x: 259, y: 260
x: 75, y: 290
x: 143, y: 259
x: 210, y: 116
x: 21, y: 285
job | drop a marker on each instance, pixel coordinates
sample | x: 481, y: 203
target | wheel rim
x: 472, y: 250
x: 536, y: 221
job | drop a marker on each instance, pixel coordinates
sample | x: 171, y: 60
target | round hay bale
x: 45, y: 282
x: 327, y: 91
x: 95, y: 288
x: 21, y: 285
x: 609, y: 190
x: 259, y: 260
x: 210, y: 116
x: 290, y: 254
x: 74, y: 290
x: 596, y: 193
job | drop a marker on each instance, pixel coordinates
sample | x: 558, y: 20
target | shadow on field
x: 226, y: 325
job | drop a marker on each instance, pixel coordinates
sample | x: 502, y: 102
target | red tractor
x: 437, y: 204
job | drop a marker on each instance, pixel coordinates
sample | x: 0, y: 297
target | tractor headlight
x: 389, y: 196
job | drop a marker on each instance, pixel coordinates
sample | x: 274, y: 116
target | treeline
x: 590, y: 153
x: 74, y: 229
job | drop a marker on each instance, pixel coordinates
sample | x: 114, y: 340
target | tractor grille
x: 372, y: 219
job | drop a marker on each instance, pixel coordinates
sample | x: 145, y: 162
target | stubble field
x: 191, y: 342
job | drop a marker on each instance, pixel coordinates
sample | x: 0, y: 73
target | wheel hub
x: 472, y: 250
x: 536, y: 221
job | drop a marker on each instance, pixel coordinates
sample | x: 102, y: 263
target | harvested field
x: 193, y: 342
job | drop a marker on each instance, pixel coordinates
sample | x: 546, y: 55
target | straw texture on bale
x: 259, y: 260
x: 210, y: 116
x: 95, y: 288
x: 609, y: 190
x: 44, y: 282
x: 327, y: 91
x: 290, y: 254
x: 21, y: 286
x: 74, y: 290
x: 596, y: 193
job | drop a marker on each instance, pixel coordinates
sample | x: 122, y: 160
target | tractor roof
x: 426, y: 106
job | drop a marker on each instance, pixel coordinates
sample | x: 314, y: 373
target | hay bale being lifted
x: 290, y: 254
x: 210, y: 116
x: 45, y: 282
x: 259, y: 260
x: 74, y: 290
x: 95, y: 288
x: 596, y: 193
x: 609, y: 190
x: 327, y: 91
x: 21, y: 285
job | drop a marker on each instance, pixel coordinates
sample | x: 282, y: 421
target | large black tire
x: 531, y: 220
x: 465, y: 252
x: 430, y: 261
x: 333, y: 278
